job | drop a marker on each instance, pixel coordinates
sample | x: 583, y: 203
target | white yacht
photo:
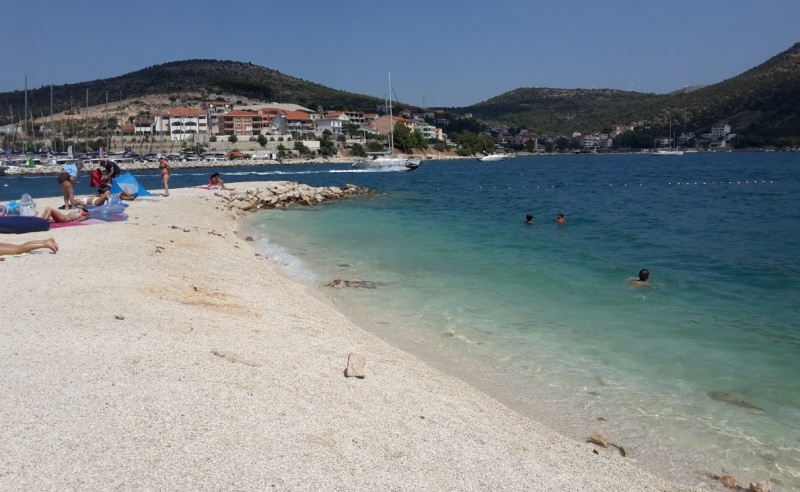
x: 388, y: 162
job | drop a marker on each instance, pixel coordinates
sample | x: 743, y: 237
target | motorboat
x: 494, y: 156
x: 387, y: 163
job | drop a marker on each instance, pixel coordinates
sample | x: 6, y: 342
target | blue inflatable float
x: 17, y: 224
x: 114, y: 211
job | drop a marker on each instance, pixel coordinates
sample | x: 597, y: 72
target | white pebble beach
x: 161, y: 353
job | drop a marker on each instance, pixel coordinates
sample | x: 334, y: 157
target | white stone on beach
x: 355, y: 366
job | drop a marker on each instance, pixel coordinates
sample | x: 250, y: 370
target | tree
x: 262, y: 140
x: 375, y: 146
x: 358, y: 151
x: 232, y: 138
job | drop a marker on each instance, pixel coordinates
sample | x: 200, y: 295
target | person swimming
x: 560, y: 218
x: 529, y: 219
x: 644, y: 276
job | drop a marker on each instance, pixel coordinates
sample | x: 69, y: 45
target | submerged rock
x: 732, y: 400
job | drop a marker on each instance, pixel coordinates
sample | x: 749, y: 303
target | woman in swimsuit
x: 65, y: 181
x: 91, y: 200
x: 54, y: 215
x: 216, y: 181
x: 166, y: 169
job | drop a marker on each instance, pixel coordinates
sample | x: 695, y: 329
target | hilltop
x: 187, y: 82
x: 763, y: 103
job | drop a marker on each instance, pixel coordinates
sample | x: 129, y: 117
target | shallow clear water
x: 541, y: 316
x: 545, y: 309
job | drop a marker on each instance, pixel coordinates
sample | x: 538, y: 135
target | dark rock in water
x: 343, y: 265
x: 732, y: 400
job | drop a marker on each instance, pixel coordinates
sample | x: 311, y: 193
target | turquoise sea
x: 697, y: 373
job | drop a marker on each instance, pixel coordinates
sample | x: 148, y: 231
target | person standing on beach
x: 166, y: 170
x: 67, y: 181
x: 18, y: 249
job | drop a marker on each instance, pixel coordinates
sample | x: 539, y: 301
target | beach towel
x: 209, y: 187
x: 58, y: 225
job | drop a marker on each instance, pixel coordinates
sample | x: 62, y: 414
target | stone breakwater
x: 282, y: 194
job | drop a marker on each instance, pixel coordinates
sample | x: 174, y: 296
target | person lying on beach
x: 54, y: 215
x: 644, y: 276
x: 560, y: 218
x: 17, y: 249
x: 215, y: 180
x: 95, y: 201
x: 66, y: 182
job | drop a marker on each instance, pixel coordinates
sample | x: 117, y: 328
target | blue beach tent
x: 128, y: 183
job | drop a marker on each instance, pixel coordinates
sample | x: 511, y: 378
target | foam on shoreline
x: 113, y: 379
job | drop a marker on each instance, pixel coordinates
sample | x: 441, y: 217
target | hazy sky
x: 453, y: 53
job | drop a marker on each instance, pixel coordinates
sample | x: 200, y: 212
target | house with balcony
x: 241, y: 123
x: 143, y: 126
x: 333, y: 125
x: 181, y: 123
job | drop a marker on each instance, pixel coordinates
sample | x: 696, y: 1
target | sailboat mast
x: 391, y: 118
x: 51, y: 118
x: 85, y: 125
x: 25, y: 116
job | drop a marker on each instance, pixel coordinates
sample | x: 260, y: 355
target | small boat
x: 494, y: 156
x: 667, y: 152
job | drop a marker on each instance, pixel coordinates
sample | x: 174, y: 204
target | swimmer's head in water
x: 529, y: 217
x: 644, y: 274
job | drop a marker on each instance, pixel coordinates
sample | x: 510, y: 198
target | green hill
x: 763, y: 102
x: 189, y: 80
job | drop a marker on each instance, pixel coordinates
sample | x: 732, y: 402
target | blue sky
x: 440, y: 53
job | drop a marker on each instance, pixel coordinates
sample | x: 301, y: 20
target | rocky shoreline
x: 282, y: 194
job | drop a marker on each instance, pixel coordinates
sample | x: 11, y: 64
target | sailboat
x: 388, y: 162
x: 671, y: 150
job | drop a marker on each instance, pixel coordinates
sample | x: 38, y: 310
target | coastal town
x: 226, y: 130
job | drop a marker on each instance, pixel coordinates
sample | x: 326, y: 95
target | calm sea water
x: 541, y: 316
